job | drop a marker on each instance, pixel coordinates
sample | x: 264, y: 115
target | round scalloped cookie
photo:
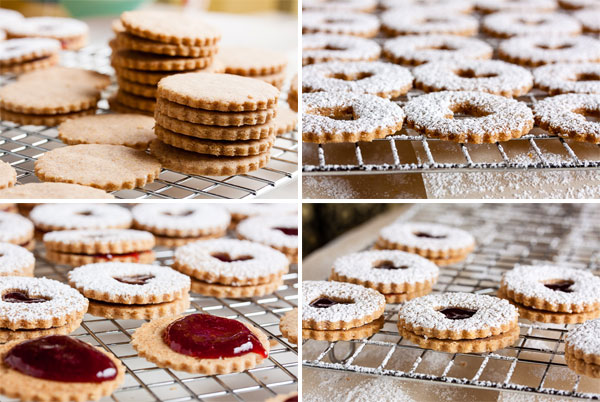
x: 578, y: 4
x: 340, y: 5
x: 319, y: 48
x: 340, y: 23
x: 509, y: 24
x: 277, y: 231
x: 522, y: 6
x: 27, y: 49
x: 71, y: 33
x: 457, y: 6
x: 590, y: 19
x: 427, y: 21
x: 565, y: 116
x: 562, y: 78
x: 15, y: 260
x: 249, y: 61
x: 536, y: 51
x: 15, y: 229
x: 53, y: 191
x: 348, y: 117
x: 50, y: 217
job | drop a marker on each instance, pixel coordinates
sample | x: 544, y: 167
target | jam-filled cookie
x: 582, y: 349
x: 17, y: 230
x: 278, y: 231
x: 15, y: 260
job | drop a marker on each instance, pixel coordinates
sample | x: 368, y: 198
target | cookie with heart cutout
x: 278, y: 231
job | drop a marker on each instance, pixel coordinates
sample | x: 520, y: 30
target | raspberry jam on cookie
x: 18, y: 296
x: 325, y: 302
x: 61, y: 358
x: 135, y: 279
x: 207, y: 336
x: 288, y: 231
x: 225, y: 257
x: 561, y: 286
x: 454, y: 313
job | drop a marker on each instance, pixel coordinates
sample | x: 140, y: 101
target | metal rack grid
x: 21, y: 145
x: 507, y: 234
x: 321, y: 160
x: 144, y: 381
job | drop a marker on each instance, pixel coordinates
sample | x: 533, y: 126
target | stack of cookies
x: 152, y: 45
x: 260, y: 64
x: 214, y: 124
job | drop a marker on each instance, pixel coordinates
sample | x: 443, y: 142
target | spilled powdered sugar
x: 102, y: 236
x: 80, y: 216
x: 559, y: 113
x: 414, y: 20
x: 529, y: 280
x: 586, y: 337
x: 261, y: 229
x: 491, y: 312
x: 493, y: 76
x: 364, y: 301
x: 340, y: 22
x: 425, y: 48
x: 551, y: 49
x: 14, y: 257
x: 13, y: 226
x: 519, y: 24
x: 361, y: 266
x: 407, y: 234
x: 181, y: 216
x: 318, y: 47
x: 382, y: 77
x: 563, y: 77
x: 265, y: 260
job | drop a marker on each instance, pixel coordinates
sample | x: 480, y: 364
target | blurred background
x: 103, y: 8
x: 322, y: 223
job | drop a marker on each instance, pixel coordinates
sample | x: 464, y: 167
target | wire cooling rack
x: 507, y: 234
x: 21, y: 145
x: 144, y: 381
x: 536, y: 151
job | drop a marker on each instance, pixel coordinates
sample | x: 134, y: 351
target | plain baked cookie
x: 131, y: 130
x: 53, y: 190
x: 109, y: 167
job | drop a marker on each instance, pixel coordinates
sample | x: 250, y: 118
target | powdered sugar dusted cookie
x: 51, y: 217
x: 509, y: 24
x: 553, y: 288
x: 488, y: 118
x: 565, y: 115
x: 8, y: 17
x: 430, y: 240
x: 491, y: 76
x: 318, y: 48
x: 427, y: 21
x: 71, y: 33
x: 582, y: 348
x: 230, y: 262
x: 578, y: 4
x: 117, y: 311
x: 127, y: 283
x: 26, y: 49
x: 533, y: 51
x: 562, y: 78
x: 524, y: 7
x: 459, y: 322
x: 348, y: 117
x: 15, y: 229
x: 337, y: 5
x: 387, y: 271
x: 340, y: 23
x: 461, y: 6
x: 288, y: 325
x: 420, y: 49
x: 374, y: 78
x: 80, y: 247
x: 239, y: 212
x: 590, y: 19
x: 339, y: 305
x: 279, y: 232
x: 15, y: 261
x: 37, y: 303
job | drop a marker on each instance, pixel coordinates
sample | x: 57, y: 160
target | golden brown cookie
x: 27, y: 66
x: 217, y: 148
x: 148, y: 341
x: 235, y: 292
x: 76, y: 260
x: 276, y: 80
x: 286, y: 120
x: 49, y: 120
x: 146, y: 91
x: 119, y: 107
x: 582, y: 349
x: 395, y: 298
x: 157, y: 62
x: 16, y: 51
x: 221, y: 92
x: 135, y: 101
x: 109, y: 167
x: 288, y: 325
x: 68, y: 74
x: 53, y: 191
x: 131, y: 130
x: 293, y: 94
x: 364, y: 331
x: 172, y: 242
x: 7, y: 335
x: 8, y: 175
x: 251, y: 62
x: 15, y: 260
x: 125, y: 40
x: 187, y: 162
x: 116, y: 311
x: 153, y: 77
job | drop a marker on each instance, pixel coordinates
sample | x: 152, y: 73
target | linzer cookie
x: 563, y: 78
x: 71, y: 33
x: 53, y: 191
x: 489, y: 118
x: 319, y: 48
x: 398, y: 275
x: 17, y: 230
x: 58, y: 368
x: 440, y: 243
x: 219, y: 345
x: 19, y: 55
x: 53, y: 217
x: 565, y: 116
x: 459, y: 322
x: 231, y: 268
x: 509, y: 24
x: 15, y: 261
x: 131, y: 130
x: 365, y: 6
x: 348, y: 117
x: 375, y: 78
x: 589, y: 19
x: 132, y: 291
x: 109, y: 167
x: 460, y: 6
x: 8, y: 16
x: 29, y: 65
x: 427, y: 21
x: 333, y: 310
x: 413, y: 50
x: 582, y: 349
x: 278, y: 231
x: 340, y: 23
x: 524, y: 7
x: 577, y: 4
x: 80, y: 247
x: 176, y: 225
x: 533, y: 51
x: 491, y: 76
x: 544, y: 290
x: 288, y: 325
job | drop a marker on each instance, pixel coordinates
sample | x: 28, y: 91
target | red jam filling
x: 288, y: 231
x: 388, y: 265
x: 225, y: 257
x: 18, y: 296
x: 562, y: 286
x: 135, y: 279
x: 135, y: 256
x: 292, y: 399
x: 60, y: 358
x: 207, y: 336
x: 428, y: 236
x: 325, y: 302
x: 455, y: 313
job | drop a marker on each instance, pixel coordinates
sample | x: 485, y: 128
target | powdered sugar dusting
x: 15, y: 48
x: 340, y: 22
x: 63, y: 300
x: 461, y: 6
x: 563, y: 77
x: 13, y: 227
x: 385, y: 78
x: 448, y: 237
x: 518, y: 24
x: 560, y: 113
x: 14, y: 258
x: 323, y: 47
x: 420, y: 49
x: 361, y: 266
x: 412, y: 20
x: 365, y: 301
x: 551, y: 49
x: 49, y: 26
x: 181, y: 216
x: 261, y: 209
x: 590, y: 19
x: 101, y: 278
x: 511, y: 5
x: 491, y: 312
x: 104, y: 236
x: 261, y: 229
x: 81, y: 216
x: 586, y: 337
x: 529, y: 280
x: 340, y: 5
x: 265, y: 260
